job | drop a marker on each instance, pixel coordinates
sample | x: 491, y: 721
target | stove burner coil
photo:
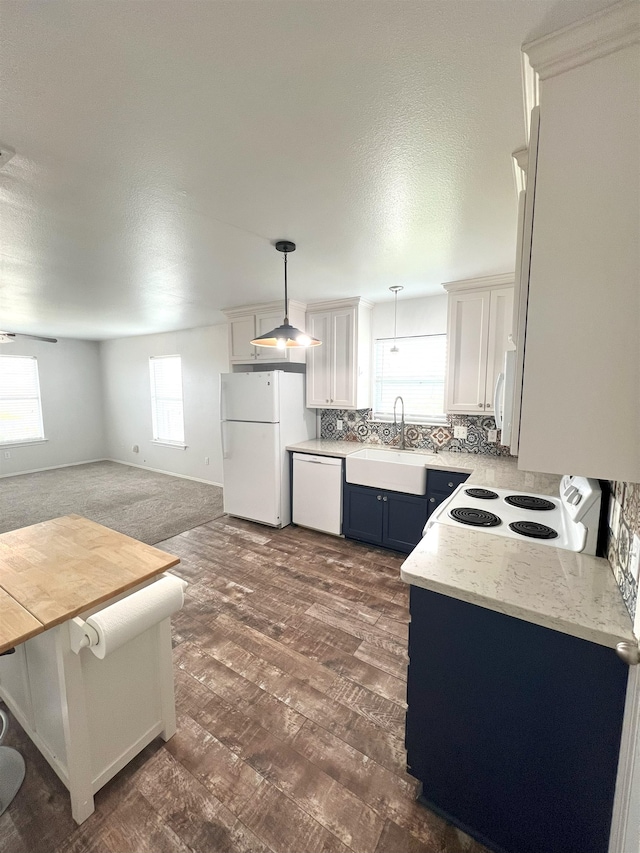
x: 533, y: 529
x: 475, y: 517
x: 483, y: 494
x: 529, y: 502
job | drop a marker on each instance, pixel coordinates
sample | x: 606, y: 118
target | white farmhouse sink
x: 396, y: 470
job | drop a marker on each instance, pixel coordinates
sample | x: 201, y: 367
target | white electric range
x: 569, y: 521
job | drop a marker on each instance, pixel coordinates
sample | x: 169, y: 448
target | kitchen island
x: 90, y: 697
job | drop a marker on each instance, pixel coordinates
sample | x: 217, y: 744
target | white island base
x: 90, y: 717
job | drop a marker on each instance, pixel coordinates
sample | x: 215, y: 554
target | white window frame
x: 410, y: 417
x: 31, y: 439
x: 156, y: 438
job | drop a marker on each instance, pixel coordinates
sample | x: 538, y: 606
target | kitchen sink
x: 396, y: 470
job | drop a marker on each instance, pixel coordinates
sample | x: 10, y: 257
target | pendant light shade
x: 286, y: 336
x: 395, y: 290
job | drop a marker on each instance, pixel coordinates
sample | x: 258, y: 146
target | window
x: 167, y: 413
x: 416, y: 373
x: 20, y: 408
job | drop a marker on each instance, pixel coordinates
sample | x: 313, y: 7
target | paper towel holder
x: 81, y: 635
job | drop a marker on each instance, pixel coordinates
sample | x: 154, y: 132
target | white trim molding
x: 161, y: 471
x: 606, y: 31
x: 530, y: 91
x: 55, y: 467
x: 485, y: 282
x: 625, y: 821
x: 519, y: 161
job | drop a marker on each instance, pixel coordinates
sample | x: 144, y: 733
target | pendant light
x: 286, y: 335
x: 395, y: 290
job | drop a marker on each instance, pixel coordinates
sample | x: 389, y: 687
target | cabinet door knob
x: 450, y: 485
x: 378, y: 497
x: 481, y: 405
x: 432, y: 500
x: 326, y: 401
x: 629, y: 652
x: 384, y: 498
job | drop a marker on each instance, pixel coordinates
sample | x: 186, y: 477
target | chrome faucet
x: 395, y: 421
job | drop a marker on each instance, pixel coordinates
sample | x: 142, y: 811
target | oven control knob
x: 572, y: 495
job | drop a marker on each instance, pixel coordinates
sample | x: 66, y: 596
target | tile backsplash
x: 624, y: 522
x: 357, y: 425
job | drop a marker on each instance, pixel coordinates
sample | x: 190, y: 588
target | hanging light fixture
x: 286, y: 335
x: 395, y: 290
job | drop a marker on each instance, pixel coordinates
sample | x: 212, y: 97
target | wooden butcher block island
x: 91, y: 680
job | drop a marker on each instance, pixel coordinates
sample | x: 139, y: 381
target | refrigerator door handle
x: 223, y: 427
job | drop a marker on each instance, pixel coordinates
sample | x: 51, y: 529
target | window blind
x: 167, y: 412
x: 416, y: 373
x: 20, y: 407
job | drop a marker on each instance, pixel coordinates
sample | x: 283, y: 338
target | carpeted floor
x: 148, y: 506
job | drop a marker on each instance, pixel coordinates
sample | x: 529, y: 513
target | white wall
x: 127, y: 400
x: 426, y: 315
x: 71, y: 397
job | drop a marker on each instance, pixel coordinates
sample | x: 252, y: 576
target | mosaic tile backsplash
x: 357, y: 425
x: 624, y: 522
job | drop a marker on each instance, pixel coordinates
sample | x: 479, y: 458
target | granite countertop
x: 562, y: 590
x: 501, y: 472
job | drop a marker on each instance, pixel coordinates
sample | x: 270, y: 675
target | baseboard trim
x: 160, y: 471
x: 54, y: 467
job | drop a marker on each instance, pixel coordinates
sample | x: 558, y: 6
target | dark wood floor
x: 290, y: 660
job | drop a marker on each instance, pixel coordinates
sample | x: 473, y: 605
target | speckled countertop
x: 573, y: 593
x: 498, y: 471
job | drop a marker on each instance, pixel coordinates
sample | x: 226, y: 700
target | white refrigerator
x: 261, y: 414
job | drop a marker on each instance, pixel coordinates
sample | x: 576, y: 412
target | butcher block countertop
x: 53, y: 571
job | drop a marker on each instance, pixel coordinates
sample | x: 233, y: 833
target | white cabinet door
x: 241, y: 331
x: 265, y: 322
x: 319, y: 360
x: 468, y: 335
x: 500, y: 322
x: 343, y: 378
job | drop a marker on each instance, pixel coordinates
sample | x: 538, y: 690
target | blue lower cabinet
x: 380, y: 517
x: 403, y: 520
x: 393, y: 519
x: 513, y: 729
x: 362, y: 514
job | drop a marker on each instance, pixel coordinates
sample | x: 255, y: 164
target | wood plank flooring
x: 290, y: 665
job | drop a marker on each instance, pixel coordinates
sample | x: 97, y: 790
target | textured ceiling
x: 162, y: 146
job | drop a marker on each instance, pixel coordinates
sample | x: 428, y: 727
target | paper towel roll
x: 131, y: 616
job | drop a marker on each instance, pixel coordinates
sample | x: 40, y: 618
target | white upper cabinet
x: 581, y: 387
x: 338, y: 372
x: 479, y: 325
x: 248, y: 322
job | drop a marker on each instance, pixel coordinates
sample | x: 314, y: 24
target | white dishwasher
x: 317, y: 492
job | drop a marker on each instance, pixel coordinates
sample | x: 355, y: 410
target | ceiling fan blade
x: 32, y: 337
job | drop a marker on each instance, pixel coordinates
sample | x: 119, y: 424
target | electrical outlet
x: 492, y: 436
x: 614, y: 517
x: 7, y: 454
x: 339, y: 424
x: 206, y: 460
x: 634, y: 557
x: 460, y: 432
x: 135, y: 449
